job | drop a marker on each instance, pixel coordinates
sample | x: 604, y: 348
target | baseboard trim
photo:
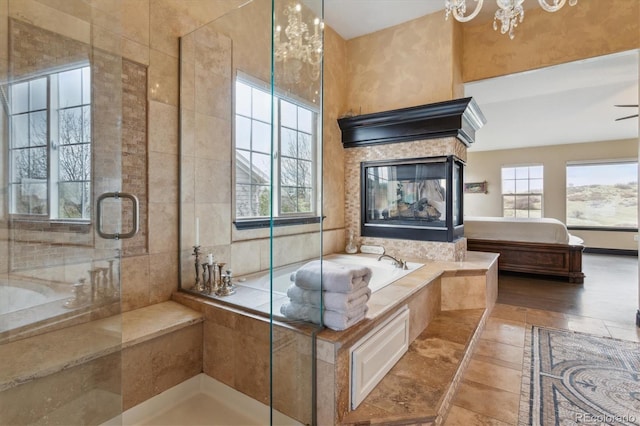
x: 618, y: 252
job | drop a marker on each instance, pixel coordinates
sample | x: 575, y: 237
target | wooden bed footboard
x: 535, y: 258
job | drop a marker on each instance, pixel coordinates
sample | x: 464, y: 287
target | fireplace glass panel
x: 407, y: 194
x: 415, y: 199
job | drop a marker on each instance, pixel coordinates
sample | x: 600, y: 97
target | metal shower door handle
x: 136, y: 215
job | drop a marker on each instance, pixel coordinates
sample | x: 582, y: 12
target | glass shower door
x: 296, y: 188
x: 60, y: 242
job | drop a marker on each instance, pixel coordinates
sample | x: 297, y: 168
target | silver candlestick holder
x: 226, y: 288
x: 212, y: 284
x: 198, y: 285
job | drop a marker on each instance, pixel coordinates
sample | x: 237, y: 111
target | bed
x: 534, y: 246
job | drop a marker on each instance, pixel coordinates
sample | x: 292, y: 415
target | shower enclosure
x: 251, y: 193
x: 63, y: 214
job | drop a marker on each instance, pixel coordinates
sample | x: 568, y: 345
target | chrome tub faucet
x: 398, y: 263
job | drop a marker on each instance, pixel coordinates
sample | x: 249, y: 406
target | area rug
x: 575, y: 378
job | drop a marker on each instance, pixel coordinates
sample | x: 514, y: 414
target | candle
x: 197, y: 231
x: 210, y: 258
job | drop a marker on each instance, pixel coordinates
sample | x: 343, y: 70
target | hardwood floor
x: 609, y: 292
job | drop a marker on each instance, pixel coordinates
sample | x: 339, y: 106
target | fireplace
x: 404, y: 177
x: 412, y: 199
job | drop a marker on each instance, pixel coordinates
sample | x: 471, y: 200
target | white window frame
x: 52, y: 146
x: 276, y: 159
x: 528, y: 194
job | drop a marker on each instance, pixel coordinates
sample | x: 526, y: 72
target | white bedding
x: 545, y: 230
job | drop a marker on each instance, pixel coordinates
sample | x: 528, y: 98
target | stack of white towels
x: 328, y: 293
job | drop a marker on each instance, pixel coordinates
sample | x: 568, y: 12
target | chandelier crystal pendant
x: 510, y: 12
x: 299, y: 46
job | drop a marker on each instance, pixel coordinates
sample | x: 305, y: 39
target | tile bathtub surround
x: 229, y: 331
x: 424, y: 301
x: 237, y: 352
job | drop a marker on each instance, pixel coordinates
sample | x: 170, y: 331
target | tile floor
x: 490, y: 391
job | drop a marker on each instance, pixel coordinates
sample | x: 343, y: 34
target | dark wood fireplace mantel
x: 460, y: 118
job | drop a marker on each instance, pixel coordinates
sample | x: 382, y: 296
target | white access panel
x: 376, y: 353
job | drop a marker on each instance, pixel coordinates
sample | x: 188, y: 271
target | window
x: 522, y: 191
x: 602, y: 195
x: 294, y: 139
x: 50, y: 146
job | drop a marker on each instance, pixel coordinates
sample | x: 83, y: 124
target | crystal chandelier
x: 299, y: 46
x: 509, y: 13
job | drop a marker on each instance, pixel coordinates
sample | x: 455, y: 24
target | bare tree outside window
x: 297, y: 176
x: 74, y: 162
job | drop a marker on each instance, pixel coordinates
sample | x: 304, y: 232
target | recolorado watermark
x: 605, y: 418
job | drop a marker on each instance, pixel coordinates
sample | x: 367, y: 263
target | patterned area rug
x: 573, y: 378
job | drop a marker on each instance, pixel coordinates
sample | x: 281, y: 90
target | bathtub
x: 18, y: 295
x: 24, y: 304
x: 254, y: 291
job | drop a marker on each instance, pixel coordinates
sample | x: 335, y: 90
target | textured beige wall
x: 486, y: 165
x: 592, y: 28
x: 335, y: 100
x: 406, y: 65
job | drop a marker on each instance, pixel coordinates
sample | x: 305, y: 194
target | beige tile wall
x: 150, y: 34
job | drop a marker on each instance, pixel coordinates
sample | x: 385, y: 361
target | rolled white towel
x: 330, y: 276
x: 331, y: 319
x: 339, y: 302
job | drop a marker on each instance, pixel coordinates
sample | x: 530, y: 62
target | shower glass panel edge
x: 62, y: 144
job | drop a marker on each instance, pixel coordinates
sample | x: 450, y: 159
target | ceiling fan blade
x: 630, y: 106
x: 628, y: 116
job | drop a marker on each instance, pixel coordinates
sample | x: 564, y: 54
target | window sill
x: 277, y: 222
x: 49, y: 225
x: 601, y: 228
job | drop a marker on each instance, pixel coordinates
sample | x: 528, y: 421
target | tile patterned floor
x: 490, y: 391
